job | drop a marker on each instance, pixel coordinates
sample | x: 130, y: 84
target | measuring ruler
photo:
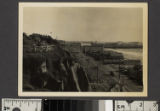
x: 21, y: 105
x: 49, y: 105
x: 122, y: 105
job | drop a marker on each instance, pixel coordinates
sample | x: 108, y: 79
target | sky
x: 101, y: 24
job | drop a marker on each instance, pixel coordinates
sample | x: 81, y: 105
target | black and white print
x: 86, y: 48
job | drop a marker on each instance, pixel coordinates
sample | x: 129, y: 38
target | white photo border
x: 144, y: 93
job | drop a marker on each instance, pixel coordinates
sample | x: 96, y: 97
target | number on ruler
x: 140, y: 104
x: 6, y: 108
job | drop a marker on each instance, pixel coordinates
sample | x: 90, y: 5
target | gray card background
x: 9, y: 47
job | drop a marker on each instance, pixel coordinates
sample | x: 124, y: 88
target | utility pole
x: 119, y: 76
x: 97, y: 74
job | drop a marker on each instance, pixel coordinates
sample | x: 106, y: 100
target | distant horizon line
x: 101, y: 41
x: 86, y: 40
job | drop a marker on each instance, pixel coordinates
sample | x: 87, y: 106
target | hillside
x: 43, y: 68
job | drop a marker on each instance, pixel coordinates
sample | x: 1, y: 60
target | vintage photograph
x: 83, y: 49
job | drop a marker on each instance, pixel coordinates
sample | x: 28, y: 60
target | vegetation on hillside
x: 50, y: 71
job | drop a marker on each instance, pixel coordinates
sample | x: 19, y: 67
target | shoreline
x: 128, y: 53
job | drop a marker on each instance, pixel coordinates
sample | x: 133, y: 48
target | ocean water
x: 133, y: 54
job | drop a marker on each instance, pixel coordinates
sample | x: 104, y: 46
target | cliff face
x: 55, y: 70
